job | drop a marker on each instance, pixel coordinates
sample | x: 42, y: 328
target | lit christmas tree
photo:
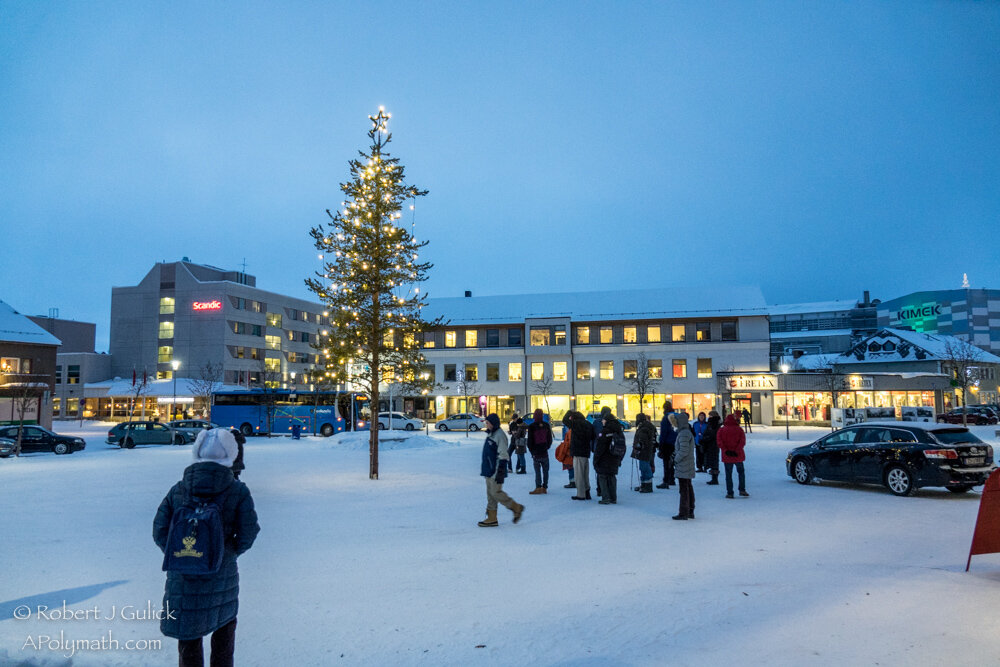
x: 371, y: 269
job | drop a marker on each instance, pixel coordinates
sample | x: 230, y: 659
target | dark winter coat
x: 644, y: 442
x: 683, y: 448
x: 708, y: 442
x: 732, y: 440
x: 201, y: 604
x: 495, y: 455
x: 238, y: 465
x: 668, y: 437
x: 583, y: 436
x: 539, y: 431
x: 605, y: 462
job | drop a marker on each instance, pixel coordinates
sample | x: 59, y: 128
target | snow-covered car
x: 38, y: 439
x: 192, y: 426
x: 6, y: 447
x: 129, y: 434
x: 461, y: 422
x: 399, y: 421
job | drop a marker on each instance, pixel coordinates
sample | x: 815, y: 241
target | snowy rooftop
x: 600, y: 306
x: 124, y: 387
x: 813, y: 307
x: 17, y: 328
x: 812, y: 333
x: 936, y: 346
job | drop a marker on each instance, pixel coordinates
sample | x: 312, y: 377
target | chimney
x: 468, y: 293
x: 867, y: 299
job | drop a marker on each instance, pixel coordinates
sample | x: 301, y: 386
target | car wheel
x: 409, y: 427
x: 60, y: 448
x: 129, y: 443
x: 442, y: 427
x: 899, y: 481
x: 178, y: 439
x: 473, y: 427
x: 326, y: 430
x: 959, y: 488
x: 246, y: 430
x: 802, y: 471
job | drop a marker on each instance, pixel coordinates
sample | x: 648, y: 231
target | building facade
x: 27, y: 369
x: 826, y: 327
x: 972, y: 315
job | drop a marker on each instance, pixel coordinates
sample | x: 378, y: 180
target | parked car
x: 38, y: 439
x: 461, y: 422
x: 901, y: 455
x: 594, y: 416
x: 399, y: 421
x: 129, y: 434
x: 192, y: 426
x: 974, y: 415
x: 6, y: 447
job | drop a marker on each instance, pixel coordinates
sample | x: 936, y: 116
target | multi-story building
x: 972, y: 315
x: 584, y: 351
x: 189, y: 316
x: 820, y: 328
x: 27, y: 369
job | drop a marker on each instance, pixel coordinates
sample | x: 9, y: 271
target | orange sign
x: 986, y: 538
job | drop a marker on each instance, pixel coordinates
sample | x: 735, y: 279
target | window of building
x: 272, y: 342
x: 164, y: 375
x: 273, y: 320
x: 256, y: 353
x: 583, y: 335
x: 492, y: 372
x: 515, y: 337
x: 471, y: 372
x: 583, y: 370
x: 559, y: 371
x: 167, y: 305
x: 492, y: 338
x: 58, y: 374
x: 56, y: 405
x: 388, y: 339
x: 272, y: 365
x: 539, y: 336
x: 239, y: 352
x: 653, y: 334
x: 514, y: 372
x: 471, y: 338
x: 630, y: 369
x: 291, y: 335
x: 655, y: 367
x: 293, y: 314
x: 72, y: 406
x: 704, y: 368
x: 629, y: 336
x: 73, y: 374
x: 677, y: 333
x: 450, y: 338
x: 449, y: 372
x: 164, y: 354
x: 257, y: 306
x: 680, y: 368
x: 294, y: 358
x: 239, y: 303
x: 305, y: 337
x: 537, y: 370
x: 729, y: 330
x: 703, y: 331
x: 428, y: 339
x: 428, y: 372
x: 256, y: 330
x: 607, y: 370
x: 605, y: 335
x: 239, y: 327
x: 560, y: 334
x: 166, y: 329
x: 409, y: 341
x: 10, y: 365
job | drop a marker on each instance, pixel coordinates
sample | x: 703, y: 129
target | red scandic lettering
x: 207, y: 305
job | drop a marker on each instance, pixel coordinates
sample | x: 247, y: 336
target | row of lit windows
x: 585, y: 370
x: 15, y: 365
x: 541, y: 336
x: 72, y: 374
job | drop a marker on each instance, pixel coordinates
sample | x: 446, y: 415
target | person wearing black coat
x: 539, y: 440
x: 238, y: 465
x: 207, y: 604
x: 644, y: 451
x: 605, y: 462
x: 668, y: 436
x: 711, y: 448
x: 580, y: 446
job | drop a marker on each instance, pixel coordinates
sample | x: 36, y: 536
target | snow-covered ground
x: 396, y: 572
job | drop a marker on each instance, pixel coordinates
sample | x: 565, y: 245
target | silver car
x: 192, y: 426
x: 6, y: 447
x: 462, y: 422
x: 399, y: 421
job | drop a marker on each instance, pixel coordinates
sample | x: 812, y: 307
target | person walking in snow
x: 683, y: 464
x: 539, y: 441
x: 668, y: 436
x: 207, y: 603
x: 732, y: 441
x: 581, y: 437
x: 644, y: 451
x: 746, y: 421
x: 711, y: 448
x: 699, y: 427
x: 605, y: 462
x: 494, y: 469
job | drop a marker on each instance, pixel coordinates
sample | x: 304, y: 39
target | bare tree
x: 269, y: 384
x: 543, y: 386
x: 24, y: 394
x: 467, y: 388
x: 642, y: 382
x: 834, y: 382
x: 208, y: 382
x: 963, y: 362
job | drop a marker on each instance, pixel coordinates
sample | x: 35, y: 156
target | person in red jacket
x: 732, y: 441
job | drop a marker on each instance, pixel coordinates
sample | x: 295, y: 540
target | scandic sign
x: 207, y: 305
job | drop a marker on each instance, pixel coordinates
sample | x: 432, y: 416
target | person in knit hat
x: 207, y: 604
x: 494, y: 468
x: 539, y: 441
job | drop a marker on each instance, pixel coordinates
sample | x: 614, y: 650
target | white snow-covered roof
x: 17, y: 328
x: 809, y: 362
x: 814, y: 333
x: 812, y: 307
x: 913, y: 346
x: 600, y: 306
x: 124, y: 387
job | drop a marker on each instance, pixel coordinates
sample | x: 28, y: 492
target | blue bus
x: 275, y: 411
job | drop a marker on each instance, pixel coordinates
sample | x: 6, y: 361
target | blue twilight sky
x: 815, y: 149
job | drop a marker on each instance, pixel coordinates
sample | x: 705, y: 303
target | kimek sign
x: 926, y: 311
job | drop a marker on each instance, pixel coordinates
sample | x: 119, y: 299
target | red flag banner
x: 986, y: 538
x: 133, y: 377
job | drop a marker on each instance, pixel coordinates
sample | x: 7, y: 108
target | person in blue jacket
x: 699, y: 427
x: 667, y: 438
x: 495, y: 462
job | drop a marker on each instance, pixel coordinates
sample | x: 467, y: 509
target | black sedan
x: 38, y: 439
x: 900, y: 455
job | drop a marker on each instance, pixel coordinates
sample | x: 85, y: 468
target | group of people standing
x: 683, y: 448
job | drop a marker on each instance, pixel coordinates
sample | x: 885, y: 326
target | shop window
x: 273, y: 320
x: 492, y: 338
x: 164, y: 354
x: 583, y: 370
x: 630, y: 369
x: 166, y: 330
x: 703, y: 331
x: 73, y: 374
x: 559, y: 371
x: 537, y: 370
x: 428, y: 339
x: 655, y: 367
x: 605, y: 335
x: 471, y: 338
x: 680, y: 368
x: 607, y: 370
x: 678, y: 333
x: 56, y: 404
x: 560, y: 334
x: 539, y: 336
x: 514, y: 372
x: 471, y: 372
x: 629, y: 335
x: 492, y: 372
x: 73, y: 406
x: 58, y: 374
x: 729, y: 330
x: 449, y: 372
x: 653, y: 334
x: 450, y: 338
x: 704, y: 368
x: 515, y: 337
x: 167, y: 305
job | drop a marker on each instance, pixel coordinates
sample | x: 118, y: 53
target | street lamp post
x: 784, y: 384
x: 173, y: 402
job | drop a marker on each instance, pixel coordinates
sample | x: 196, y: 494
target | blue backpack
x: 195, y: 541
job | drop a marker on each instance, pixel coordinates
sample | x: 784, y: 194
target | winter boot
x: 646, y: 487
x: 663, y: 485
x: 714, y: 481
x: 729, y: 495
x: 490, y: 521
x: 571, y: 485
x: 680, y: 517
x: 518, y: 511
x: 588, y: 496
x: 537, y: 491
x: 744, y: 494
